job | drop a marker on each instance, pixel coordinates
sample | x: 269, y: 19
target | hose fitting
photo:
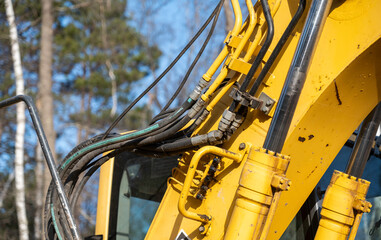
x: 196, y: 108
x: 198, y: 89
x: 226, y: 120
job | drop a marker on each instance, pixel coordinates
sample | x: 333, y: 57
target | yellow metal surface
x: 344, y: 202
x: 104, y: 198
x: 239, y: 65
x: 340, y: 90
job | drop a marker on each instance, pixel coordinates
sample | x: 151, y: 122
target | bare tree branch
x: 6, y: 186
x: 86, y: 216
x: 73, y: 7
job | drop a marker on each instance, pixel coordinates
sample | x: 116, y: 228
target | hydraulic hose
x: 282, y: 41
x: 132, y: 135
x: 162, y: 115
x: 164, y: 135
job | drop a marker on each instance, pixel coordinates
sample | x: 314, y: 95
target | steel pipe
x: 297, y: 75
x: 48, y: 157
x: 364, y: 143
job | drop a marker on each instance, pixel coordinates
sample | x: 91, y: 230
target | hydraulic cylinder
x: 343, y: 205
x: 262, y: 179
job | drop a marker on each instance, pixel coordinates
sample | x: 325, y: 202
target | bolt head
x: 199, y: 196
x: 242, y: 146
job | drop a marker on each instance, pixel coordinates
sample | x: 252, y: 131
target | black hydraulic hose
x: 177, y: 145
x: 72, y: 166
x: 73, y: 158
x: 190, y: 69
x: 70, y: 175
x: 115, y: 142
x: 164, y: 135
x: 64, y: 174
x: 279, y: 46
x: 117, y: 120
x: 262, y: 52
x: 162, y: 115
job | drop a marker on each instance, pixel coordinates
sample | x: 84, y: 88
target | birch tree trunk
x: 19, y: 142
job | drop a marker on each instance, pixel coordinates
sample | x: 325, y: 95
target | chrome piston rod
x: 364, y: 143
x: 297, y: 75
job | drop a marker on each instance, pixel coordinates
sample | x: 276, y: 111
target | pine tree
x: 96, y: 53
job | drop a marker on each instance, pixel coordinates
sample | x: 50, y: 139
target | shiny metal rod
x: 364, y: 143
x: 297, y: 75
x: 48, y: 157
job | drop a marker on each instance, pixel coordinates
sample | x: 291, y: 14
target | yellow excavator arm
x: 291, y: 84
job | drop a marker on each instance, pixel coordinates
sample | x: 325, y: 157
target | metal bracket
x: 268, y: 103
x: 245, y: 99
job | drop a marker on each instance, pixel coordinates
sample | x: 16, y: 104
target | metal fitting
x: 211, y: 138
x: 202, y: 117
x: 198, y: 89
x: 226, y: 120
x: 196, y: 108
x: 238, y: 120
x: 214, y: 136
x: 196, y: 93
x: 281, y: 183
x: 199, y: 196
x: 236, y: 94
x: 199, y: 140
x: 203, y: 83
